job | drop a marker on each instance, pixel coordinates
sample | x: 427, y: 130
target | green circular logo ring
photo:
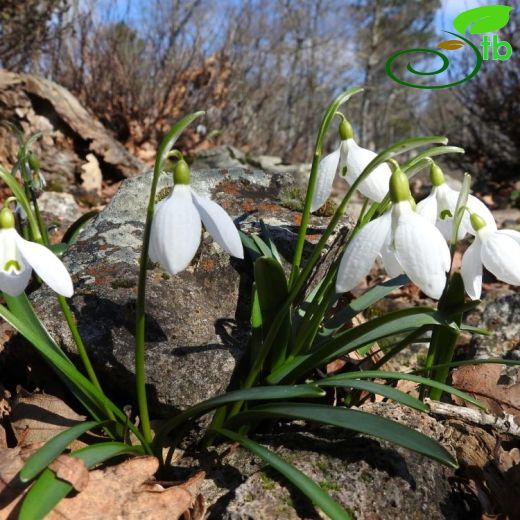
x: 441, y: 69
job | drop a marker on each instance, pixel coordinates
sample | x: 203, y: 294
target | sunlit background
x: 264, y: 70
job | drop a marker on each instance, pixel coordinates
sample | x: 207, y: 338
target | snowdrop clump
x: 412, y: 239
x: 406, y: 241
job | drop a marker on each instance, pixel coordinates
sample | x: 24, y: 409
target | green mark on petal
x: 446, y: 213
x: 12, y: 264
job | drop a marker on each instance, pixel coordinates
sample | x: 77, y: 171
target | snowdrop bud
x: 181, y: 173
x: 477, y: 222
x: 34, y: 162
x: 345, y: 130
x: 6, y: 219
x: 436, y: 175
x: 399, y: 187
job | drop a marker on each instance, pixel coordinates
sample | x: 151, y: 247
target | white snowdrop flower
x: 18, y: 257
x: 406, y: 241
x: 176, y: 226
x: 352, y: 160
x: 439, y: 207
x: 497, y: 250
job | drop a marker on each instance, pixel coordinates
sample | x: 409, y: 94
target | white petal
x: 392, y: 266
x: 428, y: 207
x: 219, y: 225
x: 447, y: 199
x: 501, y: 256
x: 376, y: 185
x: 176, y: 229
x: 478, y: 207
x: 422, y: 252
x: 47, y: 266
x: 326, y: 172
x: 471, y: 270
x: 14, y: 283
x: 362, y: 252
x: 515, y: 235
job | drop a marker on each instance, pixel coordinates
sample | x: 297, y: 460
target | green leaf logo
x: 484, y: 19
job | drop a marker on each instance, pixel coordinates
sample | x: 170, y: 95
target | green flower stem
x: 325, y: 123
x: 297, y: 286
x: 22, y: 199
x: 140, y: 376
x: 82, y: 351
x: 34, y: 199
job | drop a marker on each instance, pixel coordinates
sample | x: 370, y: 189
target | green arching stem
x: 331, y: 112
x: 23, y: 201
x: 140, y: 376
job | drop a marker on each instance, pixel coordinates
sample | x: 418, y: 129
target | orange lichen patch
x: 313, y: 237
x: 230, y: 187
x: 297, y: 218
x: 207, y: 265
x: 227, y: 205
x: 249, y: 205
x: 269, y: 208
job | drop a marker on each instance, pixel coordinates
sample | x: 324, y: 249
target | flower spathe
x: 176, y: 228
x: 496, y: 250
x: 406, y: 241
x: 440, y: 206
x: 18, y: 257
x: 352, y: 159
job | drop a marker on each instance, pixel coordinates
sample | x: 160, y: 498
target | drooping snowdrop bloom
x: 352, y: 160
x: 406, y: 241
x: 176, y: 226
x: 497, y: 251
x: 440, y: 206
x: 18, y: 257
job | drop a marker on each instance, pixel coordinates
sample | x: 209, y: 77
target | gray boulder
x: 372, y: 479
x: 196, y: 320
x: 501, y: 317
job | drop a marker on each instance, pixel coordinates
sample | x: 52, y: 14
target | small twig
x: 506, y: 424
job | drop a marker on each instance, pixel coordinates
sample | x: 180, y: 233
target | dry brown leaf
x: 487, y: 461
x: 491, y: 384
x: 11, y: 489
x: 71, y: 470
x: 39, y: 417
x: 129, y: 491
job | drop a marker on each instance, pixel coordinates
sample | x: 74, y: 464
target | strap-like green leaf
x: 259, y: 393
x: 39, y: 460
x: 397, y: 322
x: 85, y: 391
x: 271, y: 285
x: 307, y: 486
x: 361, y: 303
x: 355, y: 420
x: 380, y: 374
x: 21, y: 307
x: 48, y: 490
x: 376, y: 388
x: 77, y: 226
